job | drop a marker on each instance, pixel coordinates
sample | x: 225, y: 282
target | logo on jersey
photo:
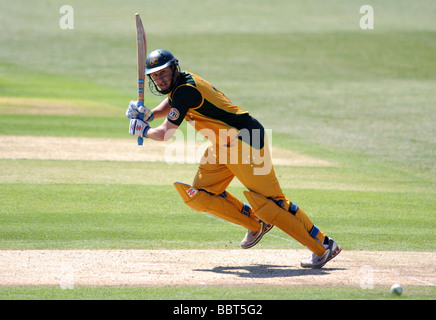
x: 174, y: 114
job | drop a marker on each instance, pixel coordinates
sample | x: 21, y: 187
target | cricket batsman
x: 238, y: 148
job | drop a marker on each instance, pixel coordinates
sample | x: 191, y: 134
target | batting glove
x: 135, y: 108
x: 138, y: 128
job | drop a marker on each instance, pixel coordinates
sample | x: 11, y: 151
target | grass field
x: 363, y: 100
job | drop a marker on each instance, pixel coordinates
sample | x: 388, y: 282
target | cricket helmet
x: 157, y: 60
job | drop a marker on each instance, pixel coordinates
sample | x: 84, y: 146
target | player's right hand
x: 133, y: 111
x: 138, y: 128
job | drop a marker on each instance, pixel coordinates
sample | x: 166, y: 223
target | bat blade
x: 141, y: 44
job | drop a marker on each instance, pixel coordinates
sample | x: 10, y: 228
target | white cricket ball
x: 396, y: 290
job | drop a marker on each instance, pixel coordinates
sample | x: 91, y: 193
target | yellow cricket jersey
x: 209, y: 110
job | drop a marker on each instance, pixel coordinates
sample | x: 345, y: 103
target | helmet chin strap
x: 154, y: 88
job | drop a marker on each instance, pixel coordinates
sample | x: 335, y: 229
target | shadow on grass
x: 260, y: 271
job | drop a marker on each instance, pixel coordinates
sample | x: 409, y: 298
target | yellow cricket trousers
x: 254, y: 169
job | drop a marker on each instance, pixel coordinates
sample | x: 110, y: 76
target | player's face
x: 163, y: 78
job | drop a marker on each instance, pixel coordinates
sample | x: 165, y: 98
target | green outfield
x: 360, y: 100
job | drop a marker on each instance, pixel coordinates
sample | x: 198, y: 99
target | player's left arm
x: 184, y: 97
x: 162, y: 109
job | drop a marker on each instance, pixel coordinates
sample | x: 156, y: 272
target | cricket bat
x: 141, y: 55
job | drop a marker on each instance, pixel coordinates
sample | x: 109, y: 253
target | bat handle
x: 140, y: 116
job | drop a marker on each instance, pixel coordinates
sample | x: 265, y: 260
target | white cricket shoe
x: 316, y: 262
x: 253, y: 237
